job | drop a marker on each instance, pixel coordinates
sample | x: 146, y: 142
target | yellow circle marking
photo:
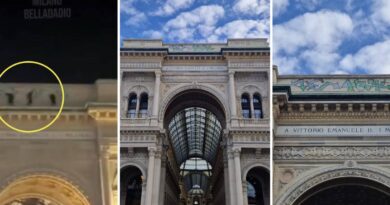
x: 62, y: 100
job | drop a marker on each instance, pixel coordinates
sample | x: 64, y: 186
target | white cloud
x: 323, y: 29
x: 171, y: 6
x: 153, y: 34
x: 319, y: 34
x: 241, y: 29
x: 252, y: 7
x: 201, y: 20
x: 381, y: 12
x: 136, y: 19
x: 127, y: 6
x: 279, y: 6
x: 134, y: 16
x: 372, y: 58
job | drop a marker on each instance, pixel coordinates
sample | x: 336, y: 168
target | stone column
x: 237, y: 166
x: 226, y: 180
x: 156, y: 178
x: 245, y: 192
x: 156, y: 96
x: 124, y: 105
x: 143, y: 194
x: 252, y: 107
x: 232, y: 94
x: 105, y: 175
x: 137, y: 106
x: 163, y: 178
x: 232, y: 185
x: 149, y: 179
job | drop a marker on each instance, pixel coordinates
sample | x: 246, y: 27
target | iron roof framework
x: 195, y: 134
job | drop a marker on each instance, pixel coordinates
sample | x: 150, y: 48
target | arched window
x: 245, y: 106
x: 258, y: 186
x: 143, y: 106
x: 131, y: 185
x: 132, y: 109
x: 257, y: 108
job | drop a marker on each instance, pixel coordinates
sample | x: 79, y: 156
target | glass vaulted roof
x: 195, y: 132
x: 196, y: 173
x: 195, y: 165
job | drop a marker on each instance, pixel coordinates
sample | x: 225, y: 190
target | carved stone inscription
x: 332, y: 131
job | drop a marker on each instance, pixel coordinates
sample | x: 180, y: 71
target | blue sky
x: 331, y: 37
x: 194, y: 20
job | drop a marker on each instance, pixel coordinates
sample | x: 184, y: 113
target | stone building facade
x: 194, y: 122
x: 73, y: 162
x: 331, y: 139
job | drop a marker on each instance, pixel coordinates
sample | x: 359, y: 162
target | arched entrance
x: 131, y: 185
x: 297, y: 192
x: 194, y: 120
x: 258, y: 186
x: 346, y: 191
x: 42, y: 190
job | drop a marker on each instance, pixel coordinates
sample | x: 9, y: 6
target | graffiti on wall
x: 348, y: 85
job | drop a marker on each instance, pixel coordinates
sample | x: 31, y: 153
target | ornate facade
x: 331, y: 139
x: 73, y: 162
x: 194, y: 123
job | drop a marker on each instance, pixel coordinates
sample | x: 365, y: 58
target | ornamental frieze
x: 52, y: 135
x: 249, y: 65
x: 138, y: 138
x: 341, y: 85
x: 140, y: 65
x: 331, y: 153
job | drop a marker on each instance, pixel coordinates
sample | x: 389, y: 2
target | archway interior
x: 31, y: 201
x: 195, y: 134
x: 131, y: 185
x: 346, y: 191
x: 258, y: 184
x: 42, y: 188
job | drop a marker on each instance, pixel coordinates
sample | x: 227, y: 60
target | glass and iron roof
x: 196, y: 173
x: 195, y: 132
x: 196, y: 180
x: 195, y: 165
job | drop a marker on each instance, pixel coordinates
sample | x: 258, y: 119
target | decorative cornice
x: 49, y: 135
x: 334, y: 115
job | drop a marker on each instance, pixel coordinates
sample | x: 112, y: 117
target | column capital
x: 152, y: 151
x: 230, y: 154
x: 157, y: 73
x: 236, y: 152
x: 157, y: 153
x: 105, y: 151
x: 231, y: 73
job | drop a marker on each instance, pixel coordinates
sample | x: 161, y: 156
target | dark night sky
x: 80, y: 49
